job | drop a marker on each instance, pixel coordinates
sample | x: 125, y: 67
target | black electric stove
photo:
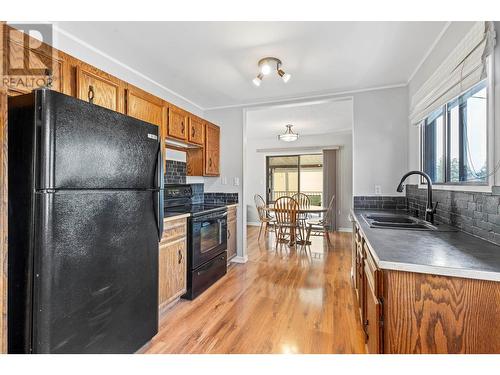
x: 196, y: 209
x: 207, y: 238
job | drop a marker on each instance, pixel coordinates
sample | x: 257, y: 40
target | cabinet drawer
x: 173, y: 230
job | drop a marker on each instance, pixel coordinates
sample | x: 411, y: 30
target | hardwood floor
x: 278, y: 302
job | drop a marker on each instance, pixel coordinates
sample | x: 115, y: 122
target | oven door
x: 208, y: 237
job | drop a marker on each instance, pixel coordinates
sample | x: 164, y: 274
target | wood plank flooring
x: 278, y: 302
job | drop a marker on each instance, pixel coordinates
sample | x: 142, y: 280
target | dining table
x: 305, y: 232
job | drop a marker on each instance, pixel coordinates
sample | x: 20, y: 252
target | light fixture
x: 288, y: 135
x: 257, y: 80
x: 266, y: 66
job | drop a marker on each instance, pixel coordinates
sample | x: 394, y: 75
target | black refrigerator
x: 85, y: 219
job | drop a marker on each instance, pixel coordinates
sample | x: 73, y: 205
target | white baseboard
x: 253, y: 224
x: 238, y: 259
x: 345, y: 229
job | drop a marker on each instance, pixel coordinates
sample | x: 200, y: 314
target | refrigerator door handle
x: 158, y: 196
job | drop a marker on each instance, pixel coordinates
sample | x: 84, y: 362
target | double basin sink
x: 401, y: 221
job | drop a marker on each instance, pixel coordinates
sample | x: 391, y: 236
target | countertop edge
x: 176, y: 217
x: 431, y: 270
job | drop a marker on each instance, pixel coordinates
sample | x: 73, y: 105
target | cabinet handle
x: 179, y: 260
x: 182, y: 129
x: 228, y: 233
x: 210, y: 162
x: 50, y: 78
x: 91, y: 94
x: 193, y: 132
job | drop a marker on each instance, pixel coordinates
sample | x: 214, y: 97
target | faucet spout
x: 430, y: 209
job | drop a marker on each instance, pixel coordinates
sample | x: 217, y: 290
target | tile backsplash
x: 175, y: 172
x: 380, y: 202
x: 473, y: 213
x: 221, y: 198
x: 198, y: 191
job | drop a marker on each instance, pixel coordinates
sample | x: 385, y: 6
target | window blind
x: 462, y: 69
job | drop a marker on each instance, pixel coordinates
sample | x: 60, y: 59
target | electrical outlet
x: 236, y: 181
x: 378, y: 189
x: 223, y: 180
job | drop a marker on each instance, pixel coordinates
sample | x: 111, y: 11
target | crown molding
x: 429, y: 51
x: 74, y: 38
x: 332, y: 94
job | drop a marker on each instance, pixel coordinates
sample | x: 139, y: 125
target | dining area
x: 294, y: 220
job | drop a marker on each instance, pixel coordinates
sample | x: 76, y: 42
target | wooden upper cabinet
x: 196, y: 130
x: 104, y: 91
x: 26, y: 55
x: 144, y: 106
x: 177, y: 123
x: 212, y: 149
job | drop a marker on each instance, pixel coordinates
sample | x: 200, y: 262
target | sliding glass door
x: 290, y: 174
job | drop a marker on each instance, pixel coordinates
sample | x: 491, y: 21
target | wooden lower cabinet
x: 414, y: 313
x: 232, y: 234
x: 172, y: 262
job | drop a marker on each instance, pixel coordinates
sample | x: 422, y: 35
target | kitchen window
x: 454, y: 140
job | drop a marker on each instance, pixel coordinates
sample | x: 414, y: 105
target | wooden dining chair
x: 304, y: 203
x: 265, y: 218
x: 286, y: 211
x: 322, y: 226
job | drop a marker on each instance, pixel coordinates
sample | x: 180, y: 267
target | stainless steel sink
x: 397, y: 221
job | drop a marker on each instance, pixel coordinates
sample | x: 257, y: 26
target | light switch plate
x: 223, y: 180
x: 236, y: 181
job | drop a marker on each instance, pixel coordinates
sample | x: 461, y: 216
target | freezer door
x: 85, y: 146
x: 96, y: 272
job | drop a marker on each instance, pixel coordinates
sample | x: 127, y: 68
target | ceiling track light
x: 288, y: 135
x: 266, y: 66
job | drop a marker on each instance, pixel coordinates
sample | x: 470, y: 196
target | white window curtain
x: 462, y: 69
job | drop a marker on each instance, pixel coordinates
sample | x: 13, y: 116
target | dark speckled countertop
x: 441, y: 253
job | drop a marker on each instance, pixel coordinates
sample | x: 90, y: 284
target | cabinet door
x: 172, y: 271
x: 104, y: 92
x: 196, y: 130
x: 212, y: 139
x: 373, y: 315
x: 177, y: 123
x: 144, y: 107
x: 25, y: 55
x: 232, y: 233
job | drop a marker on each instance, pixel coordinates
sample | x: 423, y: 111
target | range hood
x: 179, y: 144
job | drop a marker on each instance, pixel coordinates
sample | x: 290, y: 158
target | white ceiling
x: 213, y: 63
x: 307, y: 119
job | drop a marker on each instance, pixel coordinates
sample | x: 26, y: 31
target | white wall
x: 231, y: 160
x: 256, y: 172
x: 380, y: 132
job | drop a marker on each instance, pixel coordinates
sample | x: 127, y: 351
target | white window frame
x: 493, y: 144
